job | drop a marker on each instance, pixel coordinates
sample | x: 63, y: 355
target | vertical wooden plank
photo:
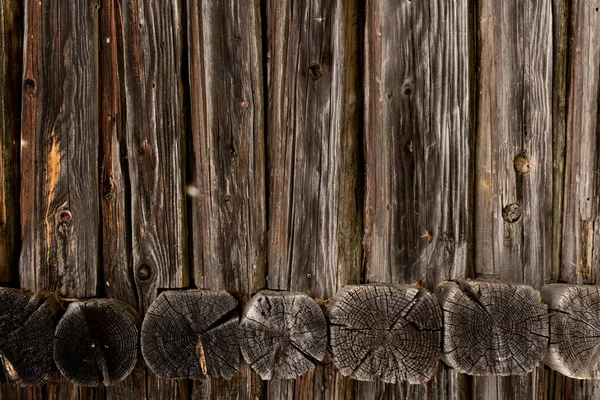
x: 418, y: 149
x: 227, y: 161
x: 152, y: 42
x: 59, y: 148
x: 11, y: 47
x: 514, y: 165
x: 314, y: 217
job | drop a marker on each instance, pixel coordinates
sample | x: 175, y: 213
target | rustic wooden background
x: 300, y: 145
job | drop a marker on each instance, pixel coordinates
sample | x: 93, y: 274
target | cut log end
x: 493, y: 328
x: 96, y: 342
x: 27, y: 324
x: 390, y: 333
x: 191, y: 334
x: 574, y: 330
x: 283, y: 334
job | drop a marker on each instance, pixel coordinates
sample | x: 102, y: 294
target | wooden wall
x: 298, y: 145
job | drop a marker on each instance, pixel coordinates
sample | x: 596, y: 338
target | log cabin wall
x: 298, y: 145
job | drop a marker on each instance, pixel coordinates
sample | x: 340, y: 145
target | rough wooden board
x: 11, y: 48
x: 59, y: 149
x: 227, y: 159
x: 581, y: 237
x: 152, y: 41
x: 313, y: 147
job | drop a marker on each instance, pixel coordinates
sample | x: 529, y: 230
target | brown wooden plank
x: 418, y: 150
x: 313, y: 149
x: 59, y: 197
x: 514, y: 162
x: 227, y: 161
x: 11, y: 47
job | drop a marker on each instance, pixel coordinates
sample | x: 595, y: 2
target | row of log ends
x: 376, y: 332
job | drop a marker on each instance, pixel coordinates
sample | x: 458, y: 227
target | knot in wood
x: 30, y: 87
x: 96, y: 342
x: 522, y: 164
x: 192, y: 334
x: 511, y: 213
x: 27, y: 324
x: 144, y: 272
x: 390, y: 333
x: 314, y: 72
x: 492, y: 328
x: 283, y: 334
x: 65, y: 216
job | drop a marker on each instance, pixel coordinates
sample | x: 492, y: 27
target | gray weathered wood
x: 11, y: 48
x: 96, y: 342
x: 493, y: 328
x: 27, y: 323
x: 191, y: 334
x: 59, y: 148
x: 314, y: 173
x: 387, y: 333
x: 226, y: 158
x: 574, y: 327
x: 282, y: 334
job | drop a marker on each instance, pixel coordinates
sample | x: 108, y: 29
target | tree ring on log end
x: 574, y: 330
x: 192, y: 334
x: 493, y: 328
x: 283, y: 334
x: 27, y: 324
x: 390, y: 333
x: 96, y: 342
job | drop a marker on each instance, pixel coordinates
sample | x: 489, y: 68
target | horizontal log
x: 191, y: 334
x: 96, y: 342
x: 384, y: 332
x: 27, y: 323
x: 492, y: 328
x: 574, y: 330
x: 283, y: 334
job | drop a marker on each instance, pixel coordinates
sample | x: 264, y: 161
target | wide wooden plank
x: 11, y: 47
x: 59, y: 148
x: 418, y: 152
x: 227, y: 161
x: 313, y: 147
x: 514, y: 157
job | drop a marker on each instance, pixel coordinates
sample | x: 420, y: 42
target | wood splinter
x: 96, y: 342
x: 191, y: 334
x: 493, y: 328
x: 283, y: 334
x: 574, y: 330
x: 27, y: 323
x: 390, y: 333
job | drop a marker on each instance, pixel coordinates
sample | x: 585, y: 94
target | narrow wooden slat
x: 151, y: 38
x: 59, y: 197
x: 418, y: 150
x: 514, y: 164
x: 11, y: 48
x: 227, y: 161
x: 313, y: 150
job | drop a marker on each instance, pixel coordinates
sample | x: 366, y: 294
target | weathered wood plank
x: 152, y: 43
x: 11, y: 48
x: 313, y: 147
x: 227, y: 161
x: 418, y: 149
x: 59, y: 148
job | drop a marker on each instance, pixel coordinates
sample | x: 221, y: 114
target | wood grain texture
x: 314, y: 175
x: 514, y: 141
x: 418, y: 152
x: 59, y: 148
x: 581, y: 232
x: 227, y: 160
x: 152, y: 41
x: 11, y: 48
